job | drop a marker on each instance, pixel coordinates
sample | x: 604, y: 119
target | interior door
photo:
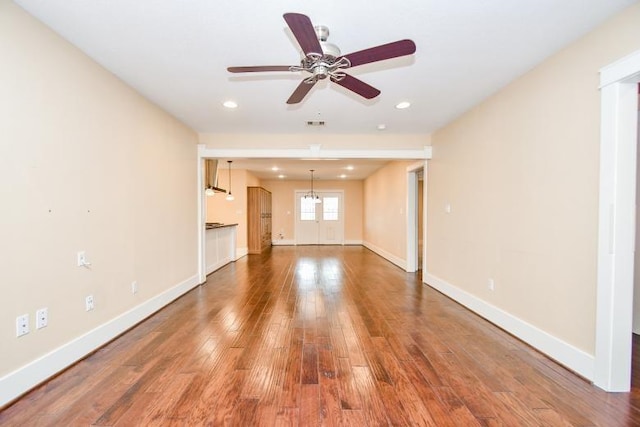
x: 320, y: 223
x: 331, y: 222
x: 307, y: 222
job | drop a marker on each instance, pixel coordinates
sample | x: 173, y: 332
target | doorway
x: 635, y: 355
x: 416, y: 229
x: 616, y: 223
x: 319, y: 221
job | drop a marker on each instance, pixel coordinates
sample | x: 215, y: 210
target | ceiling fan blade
x: 258, y: 68
x: 358, y: 86
x: 382, y: 52
x: 302, y: 29
x: 301, y: 91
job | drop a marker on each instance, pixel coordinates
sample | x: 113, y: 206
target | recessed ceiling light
x: 282, y: 176
x: 343, y: 176
x: 275, y: 168
x: 230, y: 104
x: 382, y: 126
x: 349, y: 168
x: 402, y: 105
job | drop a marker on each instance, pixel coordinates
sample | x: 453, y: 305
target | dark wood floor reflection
x: 318, y: 336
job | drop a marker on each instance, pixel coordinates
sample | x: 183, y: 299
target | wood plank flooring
x: 307, y: 336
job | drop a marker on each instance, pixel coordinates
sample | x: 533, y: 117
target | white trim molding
x: 313, y: 152
x: 616, y: 222
x: 353, y: 243
x: 386, y: 255
x: 573, y: 358
x: 18, y: 382
x: 412, y: 215
x: 283, y: 242
x: 240, y: 252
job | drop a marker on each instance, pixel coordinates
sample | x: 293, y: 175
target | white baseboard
x: 219, y: 264
x: 240, y: 252
x: 288, y: 242
x: 573, y: 358
x: 23, y: 379
x: 402, y: 263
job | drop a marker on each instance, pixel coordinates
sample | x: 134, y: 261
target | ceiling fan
x: 322, y: 59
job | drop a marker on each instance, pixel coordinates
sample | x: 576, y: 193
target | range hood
x: 211, y: 176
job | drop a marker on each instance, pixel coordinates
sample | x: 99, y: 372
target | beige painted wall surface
x: 283, y: 200
x: 521, y: 174
x: 85, y: 164
x: 303, y: 140
x: 232, y: 211
x: 385, y: 203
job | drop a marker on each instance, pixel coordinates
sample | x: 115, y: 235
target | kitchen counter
x: 212, y: 225
x: 220, y: 245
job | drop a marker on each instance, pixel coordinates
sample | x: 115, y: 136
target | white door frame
x: 412, y: 217
x: 313, y: 151
x: 616, y: 223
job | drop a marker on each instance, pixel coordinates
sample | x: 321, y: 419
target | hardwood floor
x: 318, y: 336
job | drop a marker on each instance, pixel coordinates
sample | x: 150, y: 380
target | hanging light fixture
x: 229, y: 195
x: 312, y: 194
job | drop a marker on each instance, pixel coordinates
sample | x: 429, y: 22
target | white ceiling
x: 297, y: 169
x: 175, y: 52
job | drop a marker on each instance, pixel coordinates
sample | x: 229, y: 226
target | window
x: 330, y: 208
x: 307, y: 209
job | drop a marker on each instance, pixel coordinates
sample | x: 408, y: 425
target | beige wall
x: 283, y: 202
x: 218, y: 209
x: 521, y: 174
x: 85, y: 164
x: 385, y: 204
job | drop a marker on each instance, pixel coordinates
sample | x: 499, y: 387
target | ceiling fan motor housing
x: 328, y: 49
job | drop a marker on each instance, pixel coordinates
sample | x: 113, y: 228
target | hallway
x: 318, y: 336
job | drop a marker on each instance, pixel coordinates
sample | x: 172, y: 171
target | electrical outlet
x: 134, y: 287
x: 89, y: 302
x: 491, y: 285
x: 22, y: 325
x: 42, y: 318
x: 82, y: 259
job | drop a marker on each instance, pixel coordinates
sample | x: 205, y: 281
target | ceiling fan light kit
x: 323, y: 60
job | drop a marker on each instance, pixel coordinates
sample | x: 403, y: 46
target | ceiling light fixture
x: 230, y: 104
x: 229, y: 195
x: 343, y: 176
x: 402, y: 105
x: 349, y: 168
x: 210, y: 177
x: 312, y: 194
x: 382, y: 126
x: 282, y: 176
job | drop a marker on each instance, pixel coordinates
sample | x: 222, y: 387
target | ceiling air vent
x: 315, y: 123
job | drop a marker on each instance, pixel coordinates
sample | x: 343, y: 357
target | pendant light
x: 229, y: 195
x: 312, y: 194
